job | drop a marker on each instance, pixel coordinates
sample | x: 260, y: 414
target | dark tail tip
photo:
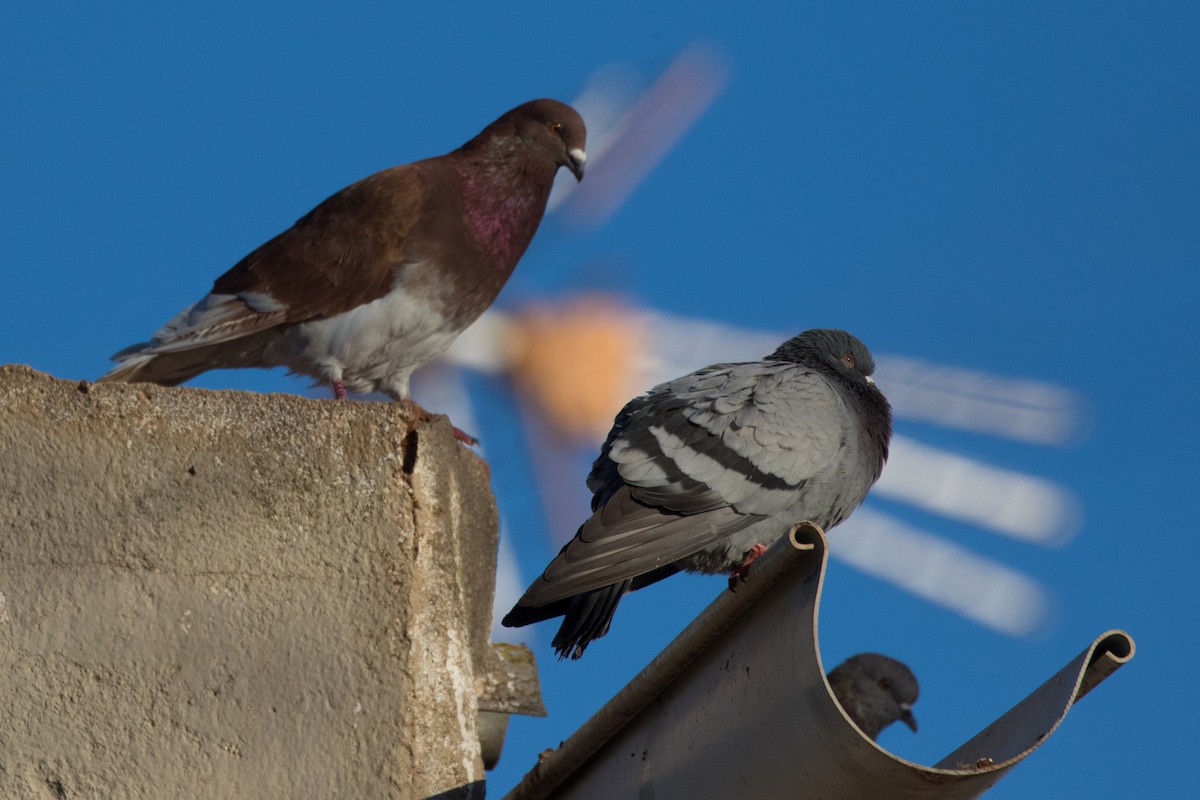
x: 587, y: 619
x: 520, y: 615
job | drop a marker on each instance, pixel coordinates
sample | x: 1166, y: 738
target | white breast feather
x: 374, y: 347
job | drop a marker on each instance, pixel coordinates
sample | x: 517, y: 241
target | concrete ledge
x: 223, y: 594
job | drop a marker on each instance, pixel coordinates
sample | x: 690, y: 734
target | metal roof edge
x: 738, y: 705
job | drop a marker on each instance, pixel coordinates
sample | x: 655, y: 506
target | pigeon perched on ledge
x: 381, y: 277
x: 875, y: 691
x: 702, y: 472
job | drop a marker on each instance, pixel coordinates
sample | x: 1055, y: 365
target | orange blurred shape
x: 576, y: 360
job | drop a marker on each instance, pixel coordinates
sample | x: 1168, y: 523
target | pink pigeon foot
x: 743, y: 569
x: 339, y: 390
x: 465, y: 438
x: 421, y: 415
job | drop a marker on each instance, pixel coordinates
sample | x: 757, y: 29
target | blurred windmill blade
x: 1010, y: 503
x: 604, y: 105
x: 954, y: 397
x: 626, y: 140
x: 942, y: 573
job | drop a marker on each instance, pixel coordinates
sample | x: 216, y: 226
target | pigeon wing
x: 342, y: 254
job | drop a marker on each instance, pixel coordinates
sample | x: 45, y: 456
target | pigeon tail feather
x: 587, y: 619
x: 151, y: 368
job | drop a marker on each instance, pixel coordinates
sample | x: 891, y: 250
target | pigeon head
x: 829, y: 350
x: 875, y: 691
x: 548, y: 127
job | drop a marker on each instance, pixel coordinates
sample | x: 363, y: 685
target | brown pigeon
x: 702, y: 472
x: 381, y: 277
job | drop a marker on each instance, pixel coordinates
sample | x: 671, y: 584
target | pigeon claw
x: 465, y: 438
x: 739, y: 574
x: 421, y: 415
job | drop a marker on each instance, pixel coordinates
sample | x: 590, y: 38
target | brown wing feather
x: 340, y: 255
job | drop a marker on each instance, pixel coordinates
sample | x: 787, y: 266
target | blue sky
x: 1010, y: 188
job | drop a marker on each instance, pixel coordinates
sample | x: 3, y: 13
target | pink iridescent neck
x: 503, y: 205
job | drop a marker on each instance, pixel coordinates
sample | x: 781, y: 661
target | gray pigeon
x: 875, y: 691
x: 702, y: 472
x: 383, y: 275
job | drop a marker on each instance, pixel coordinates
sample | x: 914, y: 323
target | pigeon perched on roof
x: 381, y: 277
x: 702, y: 472
x: 875, y: 691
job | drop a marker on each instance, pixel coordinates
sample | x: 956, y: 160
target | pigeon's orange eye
x: 555, y: 127
x: 848, y: 360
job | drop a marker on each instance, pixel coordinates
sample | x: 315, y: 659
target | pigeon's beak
x: 906, y: 716
x: 576, y: 158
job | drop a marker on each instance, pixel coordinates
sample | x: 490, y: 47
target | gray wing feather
x: 752, y: 433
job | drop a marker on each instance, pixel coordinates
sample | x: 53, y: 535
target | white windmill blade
x: 487, y: 345
x: 954, y: 397
x: 941, y: 572
x: 626, y: 140
x: 949, y: 396
x: 1007, y: 502
x: 604, y: 106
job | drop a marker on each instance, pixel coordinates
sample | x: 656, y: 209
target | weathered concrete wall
x: 222, y: 594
